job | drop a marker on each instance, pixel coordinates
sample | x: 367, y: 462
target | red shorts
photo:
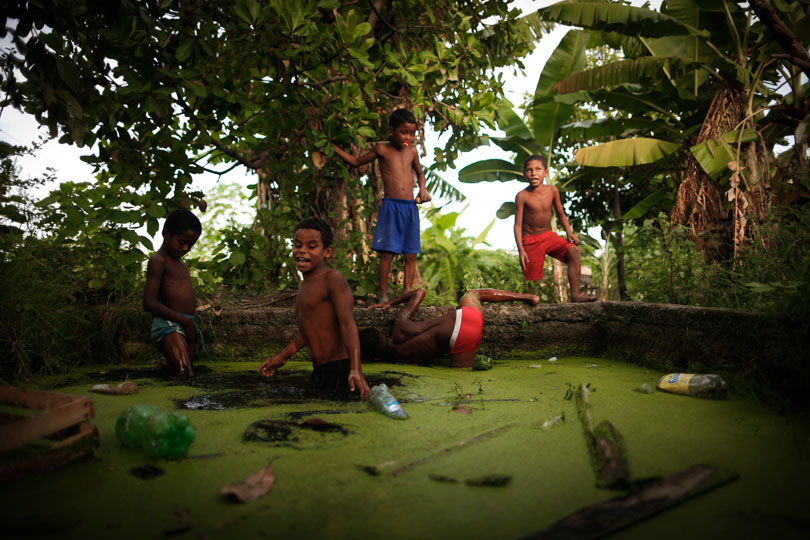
x: 467, y: 331
x: 537, y: 246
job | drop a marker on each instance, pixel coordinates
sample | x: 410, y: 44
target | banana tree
x: 710, y: 70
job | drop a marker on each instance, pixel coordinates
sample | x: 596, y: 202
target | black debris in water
x: 489, y: 480
x: 272, y: 431
x: 147, y: 472
x: 442, y: 478
x: 244, y: 389
x: 297, y: 415
x: 284, y: 433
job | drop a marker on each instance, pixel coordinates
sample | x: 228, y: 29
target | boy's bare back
x: 321, y: 301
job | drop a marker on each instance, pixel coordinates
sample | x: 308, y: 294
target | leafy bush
x: 772, y: 273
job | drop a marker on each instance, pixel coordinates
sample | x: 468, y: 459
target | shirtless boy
x: 457, y: 332
x: 325, y: 312
x: 533, y: 233
x: 169, y: 295
x: 397, y: 228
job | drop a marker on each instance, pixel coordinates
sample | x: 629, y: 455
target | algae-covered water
x: 371, y: 476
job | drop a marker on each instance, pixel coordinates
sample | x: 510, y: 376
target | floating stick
x: 605, y: 446
x: 601, y: 519
x: 455, y: 447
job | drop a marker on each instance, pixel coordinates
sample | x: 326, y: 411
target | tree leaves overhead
x: 628, y: 71
x: 490, y: 170
x: 625, y: 152
x: 610, y: 16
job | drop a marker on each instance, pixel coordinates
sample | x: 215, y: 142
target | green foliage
x: 163, y: 91
x: 50, y: 320
x: 772, y: 274
x: 248, y: 258
x: 451, y: 265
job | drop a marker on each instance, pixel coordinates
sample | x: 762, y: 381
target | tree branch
x: 782, y: 34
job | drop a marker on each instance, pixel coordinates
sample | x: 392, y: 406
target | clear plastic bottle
x: 690, y: 384
x: 160, y: 434
x: 386, y: 403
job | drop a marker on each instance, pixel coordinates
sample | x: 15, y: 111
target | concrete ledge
x: 742, y: 345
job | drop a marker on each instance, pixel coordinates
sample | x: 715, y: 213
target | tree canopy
x: 160, y: 91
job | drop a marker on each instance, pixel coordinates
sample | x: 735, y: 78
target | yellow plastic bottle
x: 690, y: 384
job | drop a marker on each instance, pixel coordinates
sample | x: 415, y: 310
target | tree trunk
x: 560, y: 282
x: 621, y: 276
x: 699, y: 203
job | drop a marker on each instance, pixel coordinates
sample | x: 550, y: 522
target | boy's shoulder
x: 157, y: 258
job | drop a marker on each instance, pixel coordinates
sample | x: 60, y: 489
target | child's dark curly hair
x: 319, y: 225
x: 401, y: 116
x: 180, y: 221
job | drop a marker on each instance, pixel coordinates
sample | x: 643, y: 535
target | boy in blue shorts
x: 397, y: 228
x: 169, y: 294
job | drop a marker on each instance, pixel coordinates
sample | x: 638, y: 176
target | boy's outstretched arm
x: 573, y: 238
x: 151, y: 299
x: 268, y: 367
x: 522, y: 256
x: 362, y: 159
x: 343, y: 300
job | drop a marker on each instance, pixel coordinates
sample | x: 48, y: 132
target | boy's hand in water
x: 358, y: 382
x: 268, y: 367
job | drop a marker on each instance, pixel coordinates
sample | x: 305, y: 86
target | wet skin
x: 168, y: 293
x: 421, y: 341
x: 325, y: 313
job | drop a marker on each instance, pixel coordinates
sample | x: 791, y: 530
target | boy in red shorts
x: 533, y: 233
x: 457, y: 332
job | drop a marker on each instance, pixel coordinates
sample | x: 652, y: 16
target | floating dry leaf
x: 254, y: 486
x: 122, y: 389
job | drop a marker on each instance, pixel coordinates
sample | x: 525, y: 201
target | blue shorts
x: 397, y: 227
x: 163, y: 327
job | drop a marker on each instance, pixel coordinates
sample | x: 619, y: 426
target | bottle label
x: 677, y: 383
x: 393, y: 406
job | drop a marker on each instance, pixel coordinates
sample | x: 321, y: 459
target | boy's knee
x: 410, y: 257
x: 572, y: 254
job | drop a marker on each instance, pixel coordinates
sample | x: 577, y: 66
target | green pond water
x: 324, y: 487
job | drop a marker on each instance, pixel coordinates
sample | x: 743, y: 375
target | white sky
x: 483, y: 198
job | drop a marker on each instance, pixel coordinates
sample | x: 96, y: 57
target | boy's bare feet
x: 582, y: 298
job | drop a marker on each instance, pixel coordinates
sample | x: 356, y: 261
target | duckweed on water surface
x: 370, y: 476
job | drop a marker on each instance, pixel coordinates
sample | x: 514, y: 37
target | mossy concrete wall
x: 744, y: 345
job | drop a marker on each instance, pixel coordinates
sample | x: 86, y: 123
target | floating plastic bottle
x: 387, y: 403
x: 160, y: 434
x: 690, y: 384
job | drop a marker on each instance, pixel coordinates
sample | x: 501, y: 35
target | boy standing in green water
x: 324, y: 308
x: 397, y: 229
x: 169, y: 294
